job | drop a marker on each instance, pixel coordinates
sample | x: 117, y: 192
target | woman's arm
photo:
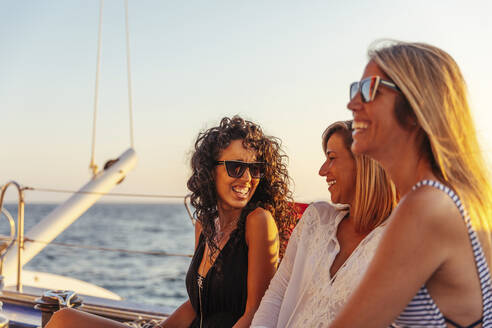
x: 419, y: 239
x: 71, y: 318
x: 263, y: 245
x: 268, y: 312
x: 181, y: 318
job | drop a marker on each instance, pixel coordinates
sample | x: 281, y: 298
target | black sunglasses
x: 235, y: 169
x: 368, y: 87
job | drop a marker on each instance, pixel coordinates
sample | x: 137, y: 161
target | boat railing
x: 7, y: 243
x: 98, y: 248
x: 186, y: 201
x: 117, y: 310
x: 20, y: 228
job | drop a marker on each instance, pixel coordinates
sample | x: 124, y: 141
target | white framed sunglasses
x: 369, y: 86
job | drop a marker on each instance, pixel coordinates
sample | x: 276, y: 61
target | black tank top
x: 223, y: 294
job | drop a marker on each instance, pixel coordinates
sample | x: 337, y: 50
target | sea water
x: 150, y: 279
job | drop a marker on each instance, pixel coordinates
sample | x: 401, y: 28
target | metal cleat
x: 54, y: 300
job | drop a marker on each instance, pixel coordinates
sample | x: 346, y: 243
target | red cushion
x: 300, y: 207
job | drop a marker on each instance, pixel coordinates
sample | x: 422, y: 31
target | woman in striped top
x: 430, y: 270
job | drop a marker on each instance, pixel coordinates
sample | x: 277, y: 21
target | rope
x: 92, y: 164
x: 103, y: 193
x: 130, y: 99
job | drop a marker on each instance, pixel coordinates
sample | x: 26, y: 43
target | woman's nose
x: 323, y: 170
x: 246, y: 175
x: 355, y: 103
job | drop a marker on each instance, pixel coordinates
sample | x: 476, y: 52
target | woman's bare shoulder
x: 429, y: 203
x: 260, y: 224
x: 259, y: 217
x: 429, y: 209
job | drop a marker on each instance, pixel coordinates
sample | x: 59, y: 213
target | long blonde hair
x: 375, y: 194
x: 436, y: 93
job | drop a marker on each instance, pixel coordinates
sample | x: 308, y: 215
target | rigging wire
x: 92, y: 164
x: 104, y: 193
x: 130, y: 96
x: 106, y: 249
x: 186, y: 199
x: 119, y: 250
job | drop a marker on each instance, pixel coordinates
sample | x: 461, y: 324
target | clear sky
x: 284, y: 64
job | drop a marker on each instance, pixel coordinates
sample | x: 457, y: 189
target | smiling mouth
x: 357, y: 125
x: 241, y: 191
x: 331, y: 183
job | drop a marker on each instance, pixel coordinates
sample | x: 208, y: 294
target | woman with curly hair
x: 239, y: 186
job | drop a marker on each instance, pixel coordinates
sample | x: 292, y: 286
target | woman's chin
x: 233, y: 204
x: 358, y: 148
x: 334, y: 199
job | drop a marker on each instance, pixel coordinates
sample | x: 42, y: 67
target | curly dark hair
x: 272, y: 193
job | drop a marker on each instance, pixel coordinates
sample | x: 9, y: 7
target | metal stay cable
x: 130, y: 97
x: 185, y: 199
x: 92, y: 164
x: 104, y: 193
x: 107, y: 249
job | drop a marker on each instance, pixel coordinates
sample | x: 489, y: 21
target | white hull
x: 51, y: 281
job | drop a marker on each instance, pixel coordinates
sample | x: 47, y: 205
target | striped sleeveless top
x: 422, y: 311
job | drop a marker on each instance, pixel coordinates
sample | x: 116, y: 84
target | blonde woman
x: 332, y: 245
x: 411, y: 114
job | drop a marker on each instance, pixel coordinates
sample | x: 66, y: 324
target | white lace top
x: 302, y: 293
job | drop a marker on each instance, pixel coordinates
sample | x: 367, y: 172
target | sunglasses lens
x: 354, y: 88
x: 235, y: 169
x: 365, y: 90
x: 256, y: 170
